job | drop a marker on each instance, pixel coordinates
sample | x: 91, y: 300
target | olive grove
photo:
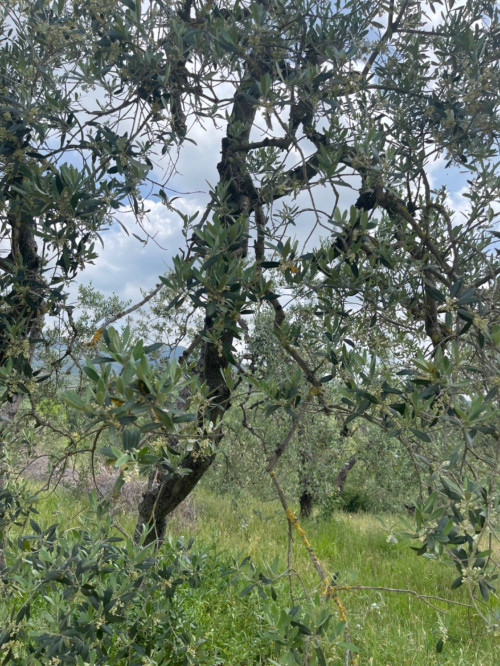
x: 355, y: 203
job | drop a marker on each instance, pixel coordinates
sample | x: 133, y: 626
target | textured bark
x: 164, y: 495
x: 25, y: 303
x: 342, y: 475
x: 165, y: 492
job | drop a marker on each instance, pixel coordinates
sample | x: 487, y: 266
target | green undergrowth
x: 231, y: 610
x: 387, y: 627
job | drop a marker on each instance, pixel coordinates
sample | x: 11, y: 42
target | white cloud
x: 126, y: 265
x: 160, y: 224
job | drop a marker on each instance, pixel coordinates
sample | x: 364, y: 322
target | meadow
x: 238, y: 611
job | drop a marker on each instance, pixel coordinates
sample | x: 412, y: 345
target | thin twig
x: 132, y: 308
x: 422, y: 597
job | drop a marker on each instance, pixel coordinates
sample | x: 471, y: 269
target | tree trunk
x: 342, y: 475
x: 165, y: 492
x: 306, y: 499
x: 163, y: 495
x: 306, y: 504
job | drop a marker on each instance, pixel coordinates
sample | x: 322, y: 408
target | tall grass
x: 387, y: 627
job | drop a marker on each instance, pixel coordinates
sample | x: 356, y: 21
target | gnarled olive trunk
x: 165, y: 492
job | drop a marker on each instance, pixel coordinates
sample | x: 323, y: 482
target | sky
x: 125, y: 265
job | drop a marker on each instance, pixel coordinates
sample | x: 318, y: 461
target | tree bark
x: 306, y: 504
x: 162, y: 497
x: 306, y: 499
x: 165, y: 492
x: 342, y: 475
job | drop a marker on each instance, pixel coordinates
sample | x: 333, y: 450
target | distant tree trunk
x: 342, y: 475
x: 306, y: 499
x: 306, y: 504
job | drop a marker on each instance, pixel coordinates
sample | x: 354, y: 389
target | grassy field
x: 386, y: 627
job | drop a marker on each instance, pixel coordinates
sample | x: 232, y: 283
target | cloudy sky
x: 125, y: 265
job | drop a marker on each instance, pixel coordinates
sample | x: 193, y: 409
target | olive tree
x: 346, y: 120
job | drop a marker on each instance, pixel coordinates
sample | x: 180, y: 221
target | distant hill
x: 68, y: 365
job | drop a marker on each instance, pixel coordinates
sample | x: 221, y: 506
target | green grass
x: 387, y: 627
